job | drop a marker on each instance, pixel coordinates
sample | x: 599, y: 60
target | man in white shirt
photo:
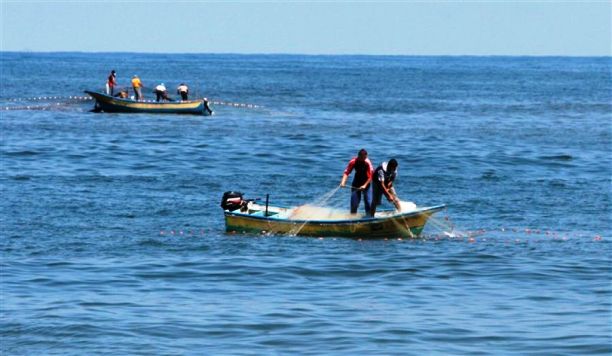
x: 183, y: 91
x: 161, y: 92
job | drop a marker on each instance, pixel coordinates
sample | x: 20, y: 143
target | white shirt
x: 160, y: 88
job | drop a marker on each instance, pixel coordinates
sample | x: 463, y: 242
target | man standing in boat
x: 183, y: 91
x: 382, y: 183
x: 111, y: 83
x: 162, y: 93
x: 361, y: 181
x: 137, y: 85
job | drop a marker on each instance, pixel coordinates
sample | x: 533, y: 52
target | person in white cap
x: 161, y: 93
x: 183, y: 91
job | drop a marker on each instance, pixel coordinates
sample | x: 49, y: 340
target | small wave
x: 106, y: 304
x: 164, y: 212
x: 58, y: 264
x: 25, y: 153
x: 76, y: 156
x: 490, y: 175
x: 157, y: 141
x: 21, y: 177
x: 96, y: 178
x: 141, y: 166
x: 557, y: 157
x: 151, y: 243
x: 125, y: 215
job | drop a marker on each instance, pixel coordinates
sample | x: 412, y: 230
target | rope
x: 87, y: 98
x: 237, y: 105
x: 49, y: 106
x: 42, y: 98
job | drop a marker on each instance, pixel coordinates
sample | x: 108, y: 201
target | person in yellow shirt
x: 137, y: 85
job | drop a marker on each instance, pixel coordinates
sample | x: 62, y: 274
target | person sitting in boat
x: 183, y: 91
x: 161, y: 93
x: 137, y: 85
x: 382, y: 183
x: 361, y: 181
x: 111, y: 83
x: 123, y: 94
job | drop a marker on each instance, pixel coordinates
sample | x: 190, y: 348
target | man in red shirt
x: 111, y: 83
x: 361, y: 181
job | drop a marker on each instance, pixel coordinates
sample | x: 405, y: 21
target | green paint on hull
x: 416, y: 232
x: 359, y: 229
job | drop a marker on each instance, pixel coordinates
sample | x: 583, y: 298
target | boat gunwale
x: 419, y: 211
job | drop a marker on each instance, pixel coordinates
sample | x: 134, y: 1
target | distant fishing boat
x: 107, y: 103
x: 247, y: 216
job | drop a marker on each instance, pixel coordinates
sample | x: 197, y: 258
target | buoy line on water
x: 39, y: 105
x: 445, y: 230
x: 520, y: 235
x: 76, y: 98
x: 236, y: 105
x: 44, y: 98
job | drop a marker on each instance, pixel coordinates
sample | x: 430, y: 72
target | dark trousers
x: 162, y: 95
x: 184, y: 95
x: 356, y: 199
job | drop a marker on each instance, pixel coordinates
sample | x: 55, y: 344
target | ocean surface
x: 113, y: 242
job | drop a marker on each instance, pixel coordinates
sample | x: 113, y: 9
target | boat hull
x: 392, y: 226
x: 108, y: 103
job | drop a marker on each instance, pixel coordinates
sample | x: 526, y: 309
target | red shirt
x: 363, y: 171
x: 111, y: 81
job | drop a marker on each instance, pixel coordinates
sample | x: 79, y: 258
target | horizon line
x: 312, y: 54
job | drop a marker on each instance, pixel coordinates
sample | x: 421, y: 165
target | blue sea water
x: 112, y: 239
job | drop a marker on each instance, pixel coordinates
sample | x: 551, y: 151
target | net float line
x: 233, y: 104
x: 47, y: 98
x: 49, y: 107
x: 469, y: 237
x: 87, y: 98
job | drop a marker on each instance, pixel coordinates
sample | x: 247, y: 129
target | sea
x: 113, y: 241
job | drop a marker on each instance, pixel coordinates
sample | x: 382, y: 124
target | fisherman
x: 361, y: 181
x: 123, y: 94
x: 137, y: 85
x: 161, y: 93
x: 183, y: 91
x: 382, y: 183
x: 111, y: 83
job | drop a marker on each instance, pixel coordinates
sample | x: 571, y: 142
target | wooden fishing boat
x: 107, y: 103
x: 247, y: 216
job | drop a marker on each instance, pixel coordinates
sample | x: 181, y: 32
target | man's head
x: 392, y: 165
x: 362, y: 155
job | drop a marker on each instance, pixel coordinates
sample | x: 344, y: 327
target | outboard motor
x: 207, y: 107
x: 232, y: 201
